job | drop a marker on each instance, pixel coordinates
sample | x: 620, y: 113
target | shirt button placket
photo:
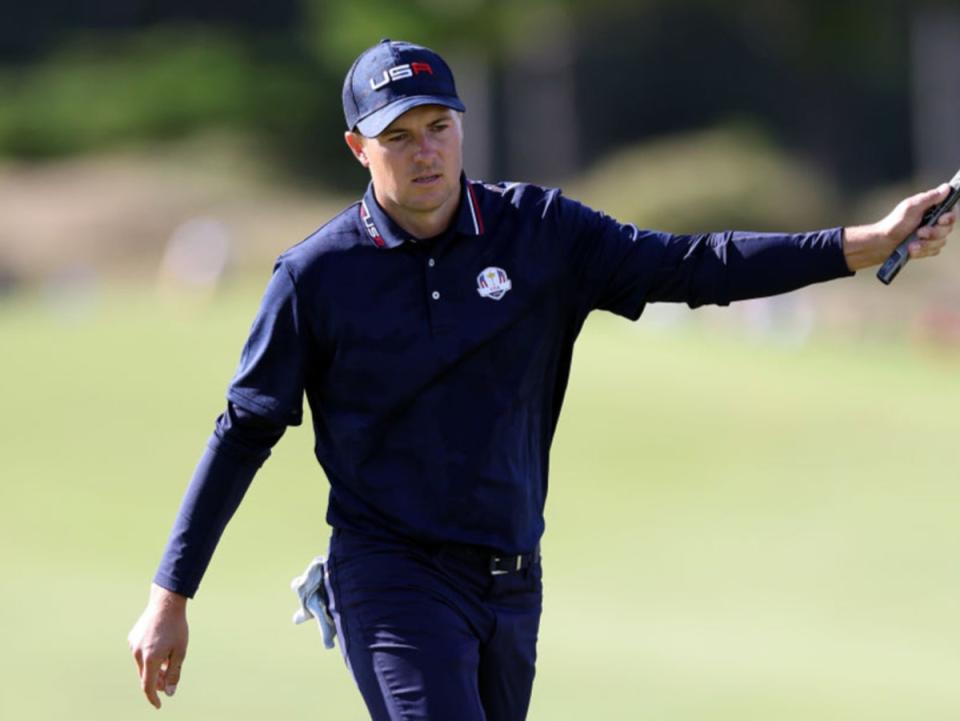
x: 438, y: 312
x: 435, y: 294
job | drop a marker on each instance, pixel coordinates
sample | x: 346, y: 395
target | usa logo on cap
x: 493, y: 283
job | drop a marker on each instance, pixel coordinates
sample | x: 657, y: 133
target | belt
x: 497, y: 564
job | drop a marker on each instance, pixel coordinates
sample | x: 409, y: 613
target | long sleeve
x: 240, y: 443
x: 621, y: 268
x: 720, y: 268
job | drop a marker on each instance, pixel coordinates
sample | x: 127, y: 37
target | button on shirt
x: 435, y: 370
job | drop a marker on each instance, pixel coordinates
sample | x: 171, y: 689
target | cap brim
x: 375, y: 123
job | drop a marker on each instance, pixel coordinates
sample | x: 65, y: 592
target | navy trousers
x: 429, y: 634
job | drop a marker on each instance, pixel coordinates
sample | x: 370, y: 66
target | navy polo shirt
x: 435, y: 370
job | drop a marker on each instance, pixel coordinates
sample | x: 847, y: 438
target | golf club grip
x: 898, y: 258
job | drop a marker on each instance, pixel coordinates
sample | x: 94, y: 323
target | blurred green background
x: 752, y: 509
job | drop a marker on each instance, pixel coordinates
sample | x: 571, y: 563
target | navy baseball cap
x: 389, y: 79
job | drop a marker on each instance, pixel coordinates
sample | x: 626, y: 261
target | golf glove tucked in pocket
x: 312, y: 591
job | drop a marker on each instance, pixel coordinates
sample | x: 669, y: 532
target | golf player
x: 431, y: 327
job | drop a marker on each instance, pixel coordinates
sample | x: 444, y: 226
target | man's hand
x: 158, y: 641
x: 867, y: 245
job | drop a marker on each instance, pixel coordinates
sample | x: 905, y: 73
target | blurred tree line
x: 550, y: 84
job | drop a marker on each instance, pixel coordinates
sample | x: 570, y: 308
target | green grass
x: 735, y: 530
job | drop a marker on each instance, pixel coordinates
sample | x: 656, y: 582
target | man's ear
x: 355, y: 143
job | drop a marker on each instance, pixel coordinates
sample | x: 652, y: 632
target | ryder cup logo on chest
x: 493, y: 283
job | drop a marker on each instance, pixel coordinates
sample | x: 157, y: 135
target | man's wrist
x: 863, y: 246
x: 166, y: 599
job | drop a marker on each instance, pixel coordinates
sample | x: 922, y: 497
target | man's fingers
x: 940, y: 193
x: 168, y: 674
x: 925, y: 249
x: 172, y: 672
x: 148, y: 680
x: 921, y: 201
x: 941, y: 230
x: 937, y: 233
x: 138, y: 659
x: 143, y: 672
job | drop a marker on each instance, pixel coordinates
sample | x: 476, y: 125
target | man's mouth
x: 427, y: 179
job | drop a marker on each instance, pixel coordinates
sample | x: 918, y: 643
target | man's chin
x: 432, y: 197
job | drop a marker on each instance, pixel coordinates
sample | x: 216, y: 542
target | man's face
x: 416, y: 162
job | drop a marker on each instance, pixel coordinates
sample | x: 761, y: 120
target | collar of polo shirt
x: 385, y: 233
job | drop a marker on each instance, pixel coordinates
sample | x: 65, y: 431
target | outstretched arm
x: 622, y: 268
x: 867, y: 245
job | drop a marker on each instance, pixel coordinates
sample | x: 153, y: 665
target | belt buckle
x: 494, y: 571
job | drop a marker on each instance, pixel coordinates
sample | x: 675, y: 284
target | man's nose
x: 425, y: 146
